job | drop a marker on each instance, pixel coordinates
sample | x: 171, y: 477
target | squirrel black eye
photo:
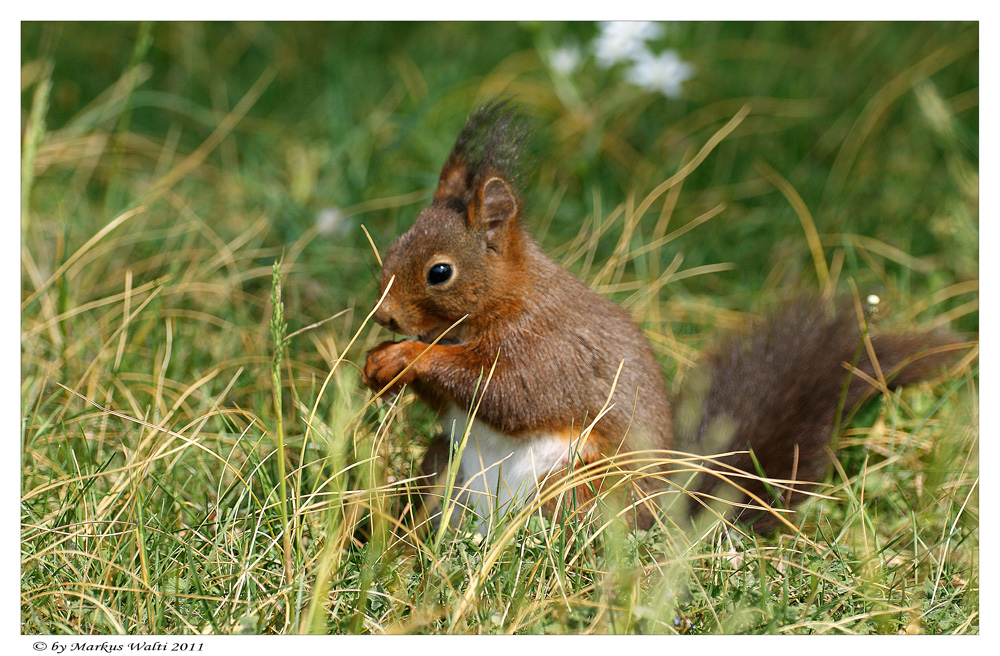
x: 439, y: 273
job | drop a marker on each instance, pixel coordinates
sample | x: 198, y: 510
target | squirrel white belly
x: 498, y: 473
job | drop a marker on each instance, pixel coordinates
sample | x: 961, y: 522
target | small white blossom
x: 663, y: 73
x: 331, y: 221
x: 565, y: 60
x: 620, y: 41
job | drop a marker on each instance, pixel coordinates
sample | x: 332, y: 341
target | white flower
x: 565, y: 60
x: 663, y: 73
x: 331, y: 221
x: 620, y: 41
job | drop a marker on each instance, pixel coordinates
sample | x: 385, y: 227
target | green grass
x: 166, y: 168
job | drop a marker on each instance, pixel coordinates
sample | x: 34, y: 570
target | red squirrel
x: 554, y: 350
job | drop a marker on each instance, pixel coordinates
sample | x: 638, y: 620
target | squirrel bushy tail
x: 777, y: 392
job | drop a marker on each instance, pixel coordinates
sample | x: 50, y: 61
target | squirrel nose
x: 383, y: 318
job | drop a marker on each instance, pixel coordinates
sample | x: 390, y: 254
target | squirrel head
x: 463, y: 253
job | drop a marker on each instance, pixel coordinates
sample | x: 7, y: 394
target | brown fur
x: 555, y: 346
x: 776, y: 391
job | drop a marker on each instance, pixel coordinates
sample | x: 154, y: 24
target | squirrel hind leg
x: 596, y: 487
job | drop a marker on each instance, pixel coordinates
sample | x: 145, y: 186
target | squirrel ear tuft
x: 497, y: 207
x: 454, y: 180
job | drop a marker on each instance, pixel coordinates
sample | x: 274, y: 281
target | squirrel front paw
x: 388, y: 360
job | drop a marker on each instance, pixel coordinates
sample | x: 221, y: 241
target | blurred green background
x: 875, y: 125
